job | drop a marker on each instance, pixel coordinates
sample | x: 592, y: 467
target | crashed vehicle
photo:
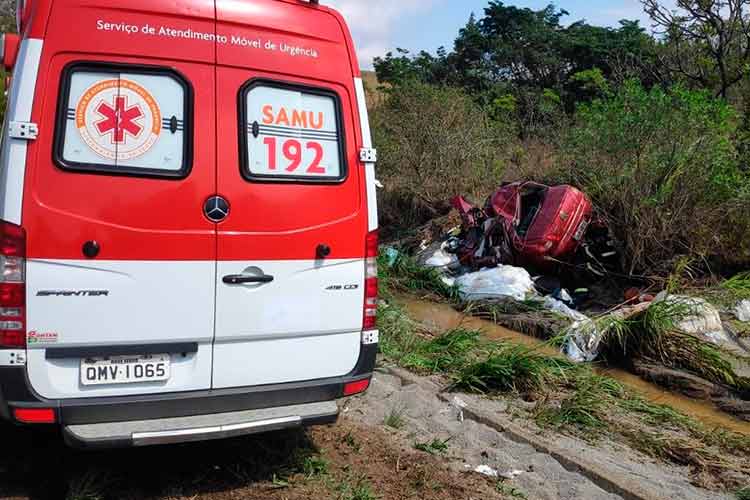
x: 523, y: 224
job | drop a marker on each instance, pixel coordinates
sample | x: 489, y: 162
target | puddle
x: 442, y: 317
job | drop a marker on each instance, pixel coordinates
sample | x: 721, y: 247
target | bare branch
x: 717, y: 29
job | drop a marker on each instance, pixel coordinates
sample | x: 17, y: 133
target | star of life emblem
x: 118, y: 119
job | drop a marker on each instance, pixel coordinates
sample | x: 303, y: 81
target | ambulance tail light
x: 9, y: 43
x: 371, y: 282
x: 12, y: 286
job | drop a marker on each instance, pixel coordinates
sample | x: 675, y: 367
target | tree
x: 525, y: 56
x: 402, y: 67
x: 524, y: 45
x: 709, y: 40
x: 468, y: 60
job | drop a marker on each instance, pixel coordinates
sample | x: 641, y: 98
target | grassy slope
x: 569, y: 397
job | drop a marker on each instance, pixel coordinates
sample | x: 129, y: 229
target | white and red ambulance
x: 188, y: 219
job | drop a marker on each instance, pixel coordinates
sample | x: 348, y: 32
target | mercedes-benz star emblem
x: 216, y: 208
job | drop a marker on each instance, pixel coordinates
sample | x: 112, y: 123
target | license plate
x: 581, y: 230
x: 125, y: 369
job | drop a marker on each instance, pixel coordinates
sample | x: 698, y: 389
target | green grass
x: 655, y: 414
x: 355, y: 489
x: 743, y: 493
x: 398, y: 332
x: 395, y: 418
x: 363, y: 491
x: 661, y: 340
x: 738, y: 286
x: 314, y: 466
x: 654, y: 336
x: 510, y: 491
x: 587, y: 405
x: 445, y: 353
x: 434, y: 447
x: 510, y: 367
x: 403, y: 341
x: 351, y: 442
x: 726, y: 294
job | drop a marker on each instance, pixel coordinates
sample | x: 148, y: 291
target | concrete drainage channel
x: 536, y: 465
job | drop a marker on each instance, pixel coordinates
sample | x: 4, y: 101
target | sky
x: 380, y: 26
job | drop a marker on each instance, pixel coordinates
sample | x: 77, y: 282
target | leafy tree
x: 403, y: 67
x: 521, y: 52
x: 468, y: 60
x: 523, y: 45
x: 708, y: 40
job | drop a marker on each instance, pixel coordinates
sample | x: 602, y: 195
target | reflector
x: 34, y: 415
x: 353, y: 388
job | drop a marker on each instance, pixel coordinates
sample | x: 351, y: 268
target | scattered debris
x: 634, y: 296
x: 441, y: 258
x: 703, y: 321
x: 582, y: 342
x: 701, y: 318
x: 501, y: 281
x: 486, y: 470
x: 742, y: 311
x: 392, y: 255
x: 459, y: 405
x: 511, y: 474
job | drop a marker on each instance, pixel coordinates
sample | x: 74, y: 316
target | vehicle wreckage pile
x: 544, y: 247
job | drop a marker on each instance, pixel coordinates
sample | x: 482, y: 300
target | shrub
x: 433, y: 143
x: 663, y: 167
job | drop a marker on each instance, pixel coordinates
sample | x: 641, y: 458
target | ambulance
x: 188, y: 220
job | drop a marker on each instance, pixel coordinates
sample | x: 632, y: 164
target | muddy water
x: 442, y: 317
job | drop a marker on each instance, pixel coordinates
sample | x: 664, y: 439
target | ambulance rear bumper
x: 15, y: 392
x: 199, y: 427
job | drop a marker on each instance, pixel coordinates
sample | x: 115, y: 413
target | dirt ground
x: 348, y: 461
x: 399, y: 441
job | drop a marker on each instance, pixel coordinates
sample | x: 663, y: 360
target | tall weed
x: 433, y: 143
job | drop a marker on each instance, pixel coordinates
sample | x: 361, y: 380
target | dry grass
x: 433, y: 143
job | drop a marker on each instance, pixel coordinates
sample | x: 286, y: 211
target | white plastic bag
x: 441, y: 258
x: 701, y: 319
x: 742, y: 311
x: 498, y: 282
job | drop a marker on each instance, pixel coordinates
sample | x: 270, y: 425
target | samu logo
x: 118, y: 119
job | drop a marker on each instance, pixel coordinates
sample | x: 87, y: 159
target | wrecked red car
x: 524, y: 223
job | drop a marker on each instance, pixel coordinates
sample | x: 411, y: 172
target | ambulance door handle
x: 242, y: 279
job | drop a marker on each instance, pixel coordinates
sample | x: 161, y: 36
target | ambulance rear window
x: 291, y: 133
x: 124, y: 120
